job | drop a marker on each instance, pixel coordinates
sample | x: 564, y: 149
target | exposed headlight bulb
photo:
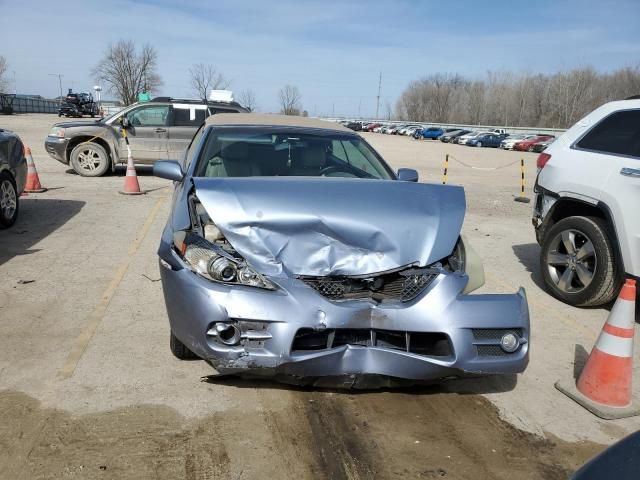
x: 222, y: 269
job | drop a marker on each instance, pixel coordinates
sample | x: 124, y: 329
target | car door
x: 615, y: 141
x: 185, y: 119
x: 147, y: 133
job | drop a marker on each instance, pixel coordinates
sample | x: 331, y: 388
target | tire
x: 90, y: 160
x: 179, y: 349
x: 564, y: 272
x: 479, y: 144
x: 9, y: 200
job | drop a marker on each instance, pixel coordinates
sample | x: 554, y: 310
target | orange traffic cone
x: 131, y: 185
x: 604, y: 386
x: 33, y: 180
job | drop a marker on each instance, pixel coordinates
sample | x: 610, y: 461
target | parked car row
x: 495, y: 138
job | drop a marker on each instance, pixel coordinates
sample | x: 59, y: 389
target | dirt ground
x: 89, y: 388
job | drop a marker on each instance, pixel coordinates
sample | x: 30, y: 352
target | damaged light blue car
x: 293, y: 251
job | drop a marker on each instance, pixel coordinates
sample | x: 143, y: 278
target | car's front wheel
x: 578, y: 264
x: 180, y: 350
x: 479, y: 144
x: 89, y: 159
x: 8, y: 200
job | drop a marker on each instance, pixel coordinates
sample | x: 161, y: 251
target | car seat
x: 232, y: 161
x: 308, y: 162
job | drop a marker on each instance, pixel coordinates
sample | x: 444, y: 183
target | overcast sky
x: 333, y: 50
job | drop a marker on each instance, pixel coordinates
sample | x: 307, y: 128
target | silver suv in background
x: 586, y: 207
x: 157, y: 130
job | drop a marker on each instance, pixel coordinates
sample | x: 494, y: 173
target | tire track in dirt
x: 284, y: 433
x: 340, y: 448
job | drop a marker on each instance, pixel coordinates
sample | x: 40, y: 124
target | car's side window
x: 338, y: 150
x: 355, y: 157
x: 619, y: 134
x: 189, y: 117
x: 149, y: 116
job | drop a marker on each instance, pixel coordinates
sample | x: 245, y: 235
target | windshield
x: 110, y: 117
x: 238, y: 153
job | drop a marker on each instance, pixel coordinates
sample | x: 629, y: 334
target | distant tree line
x: 521, y: 100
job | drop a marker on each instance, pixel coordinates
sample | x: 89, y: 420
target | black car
x: 78, y: 105
x: 449, y: 136
x: 541, y: 147
x: 13, y: 176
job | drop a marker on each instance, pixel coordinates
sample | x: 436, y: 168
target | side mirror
x: 407, y: 175
x: 169, y: 169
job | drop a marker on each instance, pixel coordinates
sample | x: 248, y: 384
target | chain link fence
x: 10, y: 103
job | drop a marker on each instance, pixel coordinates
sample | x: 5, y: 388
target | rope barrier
x: 482, y: 168
x: 520, y: 198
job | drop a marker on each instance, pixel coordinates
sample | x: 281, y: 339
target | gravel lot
x: 89, y: 388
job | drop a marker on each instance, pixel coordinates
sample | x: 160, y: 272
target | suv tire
x: 8, y: 200
x: 565, y: 264
x: 179, y: 349
x: 89, y: 159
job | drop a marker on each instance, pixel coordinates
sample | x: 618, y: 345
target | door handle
x: 630, y: 172
x: 161, y: 130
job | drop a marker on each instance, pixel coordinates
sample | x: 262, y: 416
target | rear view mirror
x: 407, y: 175
x: 169, y: 169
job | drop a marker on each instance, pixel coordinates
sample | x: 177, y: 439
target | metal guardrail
x: 513, y: 130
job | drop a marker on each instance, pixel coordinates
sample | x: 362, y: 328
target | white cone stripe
x: 623, y: 314
x: 616, y: 346
x: 31, y: 169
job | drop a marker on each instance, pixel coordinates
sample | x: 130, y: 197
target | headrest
x: 235, y: 151
x: 314, y: 156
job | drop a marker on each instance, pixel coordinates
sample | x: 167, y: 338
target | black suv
x: 157, y: 130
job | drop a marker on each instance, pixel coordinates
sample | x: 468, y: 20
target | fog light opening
x: 228, y: 334
x: 509, y: 342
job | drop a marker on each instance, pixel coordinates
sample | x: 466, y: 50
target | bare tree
x: 507, y: 98
x: 290, y: 100
x: 128, y: 73
x: 248, y: 100
x: 4, y: 83
x: 207, y: 77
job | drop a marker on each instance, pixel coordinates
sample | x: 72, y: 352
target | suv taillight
x: 543, y: 158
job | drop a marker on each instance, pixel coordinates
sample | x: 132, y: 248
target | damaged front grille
x: 433, y: 344
x: 397, y: 286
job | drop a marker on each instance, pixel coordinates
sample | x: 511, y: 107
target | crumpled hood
x: 333, y: 226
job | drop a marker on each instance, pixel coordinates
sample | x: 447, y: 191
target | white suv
x: 587, y: 206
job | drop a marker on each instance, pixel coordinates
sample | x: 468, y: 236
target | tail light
x: 543, y: 158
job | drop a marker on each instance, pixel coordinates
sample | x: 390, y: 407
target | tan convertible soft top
x: 266, y: 119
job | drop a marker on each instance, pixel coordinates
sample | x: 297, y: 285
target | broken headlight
x: 457, y: 258
x: 213, y: 262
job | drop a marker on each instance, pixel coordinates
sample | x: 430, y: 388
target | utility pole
x: 378, y: 97
x: 15, y: 85
x: 59, y: 75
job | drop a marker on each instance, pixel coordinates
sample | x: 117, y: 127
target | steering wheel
x: 326, y: 171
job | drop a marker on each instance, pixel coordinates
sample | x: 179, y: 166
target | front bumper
x: 56, y: 147
x: 271, y: 320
